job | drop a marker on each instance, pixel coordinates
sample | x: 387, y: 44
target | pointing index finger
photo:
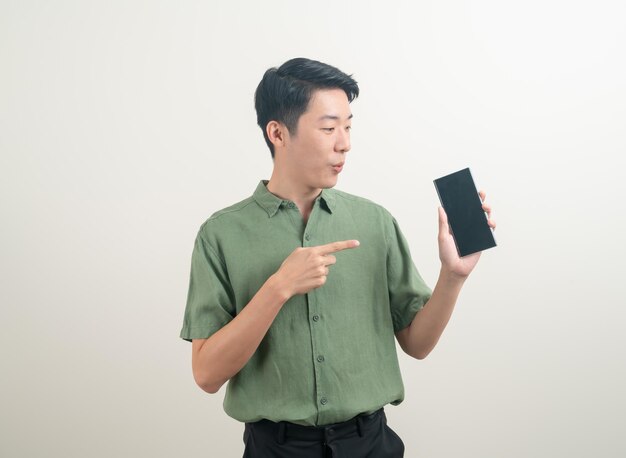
x: 338, y: 246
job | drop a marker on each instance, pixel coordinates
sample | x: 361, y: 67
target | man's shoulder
x: 360, y: 203
x: 224, y: 217
x: 232, y: 210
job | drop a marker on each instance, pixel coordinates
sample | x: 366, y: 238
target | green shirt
x: 330, y: 354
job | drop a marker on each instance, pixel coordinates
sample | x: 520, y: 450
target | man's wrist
x: 278, y: 288
x: 448, y: 276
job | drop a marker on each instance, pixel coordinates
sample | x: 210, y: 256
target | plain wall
x: 125, y: 124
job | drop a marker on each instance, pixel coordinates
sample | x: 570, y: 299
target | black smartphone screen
x: 466, y: 217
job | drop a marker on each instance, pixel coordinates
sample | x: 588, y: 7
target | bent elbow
x: 211, y: 389
x: 420, y: 354
x: 207, y: 385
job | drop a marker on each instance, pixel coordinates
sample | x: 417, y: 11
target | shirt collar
x: 271, y: 203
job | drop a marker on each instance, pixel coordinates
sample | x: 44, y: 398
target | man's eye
x: 329, y: 129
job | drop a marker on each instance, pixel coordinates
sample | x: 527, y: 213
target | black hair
x: 284, y: 93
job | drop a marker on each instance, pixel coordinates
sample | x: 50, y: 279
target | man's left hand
x: 450, y: 260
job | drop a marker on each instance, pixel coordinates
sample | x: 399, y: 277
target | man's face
x: 315, y: 154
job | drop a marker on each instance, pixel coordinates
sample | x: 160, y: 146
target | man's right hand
x: 307, y: 268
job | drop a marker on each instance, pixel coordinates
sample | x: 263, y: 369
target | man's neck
x: 288, y: 190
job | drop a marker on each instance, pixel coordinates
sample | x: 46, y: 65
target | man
x: 296, y: 292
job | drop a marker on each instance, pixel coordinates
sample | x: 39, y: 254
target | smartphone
x: 466, y: 217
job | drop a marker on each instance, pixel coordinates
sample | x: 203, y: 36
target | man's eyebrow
x: 333, y: 117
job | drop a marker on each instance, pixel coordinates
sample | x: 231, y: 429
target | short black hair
x: 284, y: 93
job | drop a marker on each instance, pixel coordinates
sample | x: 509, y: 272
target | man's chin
x: 324, y: 183
x: 330, y: 184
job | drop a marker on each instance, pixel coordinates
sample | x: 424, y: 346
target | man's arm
x: 421, y: 336
x: 216, y: 359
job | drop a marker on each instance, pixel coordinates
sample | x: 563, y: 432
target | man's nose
x: 343, y: 141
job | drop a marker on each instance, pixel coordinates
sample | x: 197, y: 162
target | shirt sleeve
x: 407, y: 290
x: 210, y: 299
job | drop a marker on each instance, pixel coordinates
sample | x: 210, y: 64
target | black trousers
x: 361, y: 437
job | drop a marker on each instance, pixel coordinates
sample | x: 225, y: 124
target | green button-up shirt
x: 330, y: 354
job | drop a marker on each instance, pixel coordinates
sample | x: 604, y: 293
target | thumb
x: 443, y: 222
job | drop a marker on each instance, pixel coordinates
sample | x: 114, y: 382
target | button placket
x: 317, y: 346
x: 319, y: 388
x: 311, y: 225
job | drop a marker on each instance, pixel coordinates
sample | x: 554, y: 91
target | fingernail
x: 357, y: 243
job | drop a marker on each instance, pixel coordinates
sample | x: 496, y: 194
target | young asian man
x: 298, y: 292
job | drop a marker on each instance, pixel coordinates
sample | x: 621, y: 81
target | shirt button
x: 320, y: 358
x: 323, y: 401
x: 316, y: 317
x: 307, y: 237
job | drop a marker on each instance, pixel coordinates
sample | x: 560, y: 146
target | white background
x: 125, y: 124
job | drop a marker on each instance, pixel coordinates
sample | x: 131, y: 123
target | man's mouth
x: 338, y: 167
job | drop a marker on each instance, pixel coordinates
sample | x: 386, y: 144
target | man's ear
x: 277, y: 133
